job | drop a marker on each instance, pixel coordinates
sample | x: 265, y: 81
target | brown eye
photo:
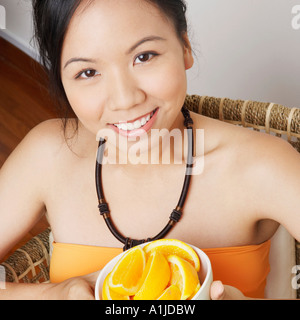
x: 87, y: 74
x: 144, y: 57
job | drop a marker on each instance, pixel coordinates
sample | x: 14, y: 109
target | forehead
x: 107, y: 22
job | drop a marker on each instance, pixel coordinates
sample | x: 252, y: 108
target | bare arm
x: 279, y: 187
x: 271, y: 182
x: 21, y: 203
x: 23, y: 188
x: 80, y: 288
x: 23, y: 184
x: 72, y: 289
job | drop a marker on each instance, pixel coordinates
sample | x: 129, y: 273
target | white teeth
x: 135, y: 125
x: 123, y: 126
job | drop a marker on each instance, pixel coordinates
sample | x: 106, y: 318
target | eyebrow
x: 79, y: 60
x: 139, y: 43
x: 146, y: 39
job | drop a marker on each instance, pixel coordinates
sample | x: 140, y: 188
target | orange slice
x: 174, y: 247
x: 194, y: 293
x: 126, y: 274
x: 183, y: 275
x: 171, y: 293
x: 108, y: 294
x: 155, y: 278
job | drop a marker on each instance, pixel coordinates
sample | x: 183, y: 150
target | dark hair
x: 176, y: 11
x: 51, y: 21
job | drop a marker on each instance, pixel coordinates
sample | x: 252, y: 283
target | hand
x: 80, y: 288
x: 71, y: 289
x: 218, y: 291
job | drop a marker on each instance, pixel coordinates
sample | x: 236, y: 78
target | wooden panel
x: 22, y: 61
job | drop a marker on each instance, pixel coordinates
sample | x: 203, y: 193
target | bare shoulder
x: 39, y: 147
x: 274, y: 180
x: 48, y: 138
x: 267, y: 156
x: 46, y: 133
x: 53, y: 148
x: 268, y: 169
x: 258, y: 155
x: 245, y: 145
x: 266, y: 166
x: 25, y: 177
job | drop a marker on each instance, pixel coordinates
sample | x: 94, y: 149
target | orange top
x: 244, y: 267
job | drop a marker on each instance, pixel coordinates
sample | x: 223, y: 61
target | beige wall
x: 18, y: 24
x: 246, y: 49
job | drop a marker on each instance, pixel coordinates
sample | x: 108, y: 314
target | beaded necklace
x: 177, y: 212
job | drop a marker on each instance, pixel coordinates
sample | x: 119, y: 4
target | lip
x: 137, y: 132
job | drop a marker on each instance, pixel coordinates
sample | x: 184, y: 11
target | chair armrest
x: 30, y: 263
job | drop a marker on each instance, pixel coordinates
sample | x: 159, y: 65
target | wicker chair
x: 30, y: 264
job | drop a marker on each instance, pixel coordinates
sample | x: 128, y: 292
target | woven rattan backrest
x: 266, y: 117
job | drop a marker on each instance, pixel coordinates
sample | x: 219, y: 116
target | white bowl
x: 205, y: 275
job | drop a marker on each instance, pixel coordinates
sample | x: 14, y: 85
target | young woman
x: 121, y: 67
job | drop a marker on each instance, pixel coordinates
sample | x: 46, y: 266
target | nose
x: 124, y: 91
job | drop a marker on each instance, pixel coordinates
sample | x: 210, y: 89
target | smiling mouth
x: 135, y: 124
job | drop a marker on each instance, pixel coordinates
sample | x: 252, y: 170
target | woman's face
x: 123, y: 63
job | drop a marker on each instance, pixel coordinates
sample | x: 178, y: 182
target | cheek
x: 86, y: 104
x: 169, y: 83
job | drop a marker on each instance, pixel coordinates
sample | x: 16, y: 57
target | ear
x: 188, y: 55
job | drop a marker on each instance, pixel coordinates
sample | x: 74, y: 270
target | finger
x: 217, y: 291
x: 88, y: 296
x: 91, y: 278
